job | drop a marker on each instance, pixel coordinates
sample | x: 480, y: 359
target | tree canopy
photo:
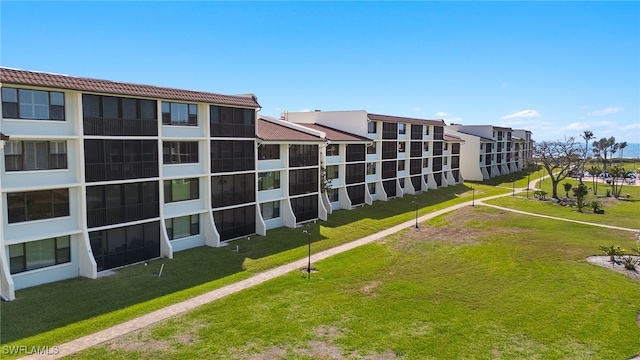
x: 558, y: 158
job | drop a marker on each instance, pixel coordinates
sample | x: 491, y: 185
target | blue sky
x: 554, y: 68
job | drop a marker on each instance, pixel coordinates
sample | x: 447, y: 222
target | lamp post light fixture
x: 416, y: 203
x: 473, y: 195
x: 309, y: 263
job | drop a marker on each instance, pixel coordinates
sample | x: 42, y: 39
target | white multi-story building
x: 490, y: 151
x: 96, y: 174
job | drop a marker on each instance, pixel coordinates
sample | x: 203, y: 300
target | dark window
x: 372, y: 188
x: 303, y: 155
x: 333, y: 150
x: 402, y: 147
x: 183, y: 226
x: 401, y: 183
x: 371, y: 149
x: 437, y: 164
x: 415, y: 166
x: 232, y: 122
x: 425, y: 146
x: 389, y: 130
x: 180, y: 152
x: 119, y: 203
x: 35, y: 155
x: 125, y: 245
x: 356, y: 194
x: 389, y: 150
x: 303, y: 181
x: 416, y: 181
x: 402, y: 128
x: 438, y: 133
x: 333, y: 195
x: 232, y: 155
x: 401, y: 165
x: 426, y: 129
x: 269, y: 180
x: 120, y: 159
x: 425, y: 163
x: 235, y: 223
x: 389, y: 187
x: 456, y: 175
x: 437, y: 148
x: 438, y: 178
x: 355, y: 152
x: 305, y: 208
x: 416, y: 132
x: 371, y: 127
x: 181, y: 190
x: 455, y: 148
x: 36, y: 205
x: 227, y: 190
x: 389, y: 169
x: 32, y: 104
x: 354, y: 173
x: 269, y: 152
x: 179, y: 114
x: 371, y: 168
x: 332, y: 172
x: 38, y: 254
x: 416, y: 149
x: 109, y: 115
x: 270, y: 210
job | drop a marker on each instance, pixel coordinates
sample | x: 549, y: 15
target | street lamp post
x: 473, y: 195
x: 513, y: 187
x: 528, y: 182
x: 416, y: 202
x: 309, y: 263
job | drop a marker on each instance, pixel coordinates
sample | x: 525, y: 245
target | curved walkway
x: 138, y: 323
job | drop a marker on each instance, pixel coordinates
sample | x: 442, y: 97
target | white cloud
x: 607, y: 111
x: 448, y: 118
x: 631, y: 127
x: 522, y: 114
x: 305, y: 110
x: 417, y: 109
x: 442, y: 114
x: 576, y: 126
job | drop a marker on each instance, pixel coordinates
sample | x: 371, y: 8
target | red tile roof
x: 399, y: 119
x: 25, y: 77
x: 270, y: 131
x: 452, y: 138
x: 335, y: 134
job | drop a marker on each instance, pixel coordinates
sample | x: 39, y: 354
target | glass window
x: 270, y: 210
x: 332, y: 172
x: 372, y: 188
x: 333, y: 195
x: 36, y: 205
x: 333, y: 150
x: 183, y: 226
x: 402, y: 128
x: 371, y: 127
x: 38, y: 254
x: 425, y: 146
x: 425, y: 163
x: 371, y: 168
x: 371, y: 149
x: 402, y: 147
x: 179, y: 114
x: 401, y: 165
x: 268, y: 152
x: 269, y: 180
x: 181, y: 190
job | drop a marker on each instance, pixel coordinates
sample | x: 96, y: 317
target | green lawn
x: 621, y: 212
x: 81, y: 306
x: 478, y: 283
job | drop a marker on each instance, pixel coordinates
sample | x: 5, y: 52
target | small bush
x: 630, y: 263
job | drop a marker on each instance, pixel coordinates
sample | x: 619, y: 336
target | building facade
x: 96, y: 174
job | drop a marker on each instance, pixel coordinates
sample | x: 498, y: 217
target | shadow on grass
x: 47, y: 307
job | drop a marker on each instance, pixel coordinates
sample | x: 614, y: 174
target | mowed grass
x: 623, y: 212
x: 53, y: 313
x: 475, y: 284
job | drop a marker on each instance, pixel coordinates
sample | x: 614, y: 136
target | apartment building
x: 98, y: 174
x: 491, y: 151
x: 402, y: 155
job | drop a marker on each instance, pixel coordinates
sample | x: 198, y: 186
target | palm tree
x: 594, y: 171
x: 617, y: 172
x: 586, y: 135
x: 621, y: 146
